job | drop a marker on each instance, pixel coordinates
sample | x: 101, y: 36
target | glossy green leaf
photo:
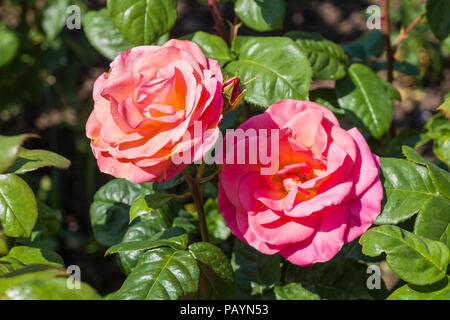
x: 370, y: 44
x: 150, y: 228
x: 148, y: 203
x: 433, y: 221
x: 281, y: 69
x: 10, y: 147
x: 175, y: 238
x: 261, y: 15
x: 255, y: 273
x: 161, y: 273
x: 327, y: 59
x: 436, y: 291
x: 216, y: 273
x: 408, y: 188
x: 103, y: 34
x: 22, y: 256
x: 50, y: 289
x: 214, y: 47
x: 294, y: 291
x: 143, y: 21
x: 30, y: 160
x: 438, y: 13
x: 9, y: 46
x: 54, y: 17
x: 414, y: 259
x: 28, y: 273
x: 439, y: 176
x: 362, y: 93
x: 336, y: 279
x: 18, y: 207
x: 110, y: 209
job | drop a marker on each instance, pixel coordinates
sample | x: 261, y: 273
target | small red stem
x: 219, y: 23
x: 405, y: 33
x: 387, y: 40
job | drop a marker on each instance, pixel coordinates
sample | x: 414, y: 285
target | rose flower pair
x: 326, y: 191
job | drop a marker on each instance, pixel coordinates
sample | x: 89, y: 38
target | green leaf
x: 255, y: 273
x: 280, y: 67
x: 103, y: 34
x: 408, y: 188
x: 439, y: 176
x: 161, y: 273
x: 362, y: 93
x: 328, y: 60
x: 54, y: 17
x: 294, y: 291
x: 148, y: 203
x: 217, y: 277
x: 406, y: 68
x: 414, y: 259
x: 336, y: 279
x: 436, y: 291
x: 213, y: 47
x: 143, y: 21
x: 110, y: 209
x: 438, y: 13
x: 175, y: 238
x: 18, y: 207
x: 30, y: 160
x: 22, y: 255
x: 28, y: 273
x: 9, y: 46
x: 327, y: 97
x: 50, y: 289
x: 261, y: 15
x: 400, y: 66
x: 433, y: 221
x: 10, y: 147
x: 217, y: 229
x: 370, y: 44
x: 151, y: 227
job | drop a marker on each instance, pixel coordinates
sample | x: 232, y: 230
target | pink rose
x: 147, y: 104
x: 325, y: 193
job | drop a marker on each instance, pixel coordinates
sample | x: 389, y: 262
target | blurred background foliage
x: 47, y: 73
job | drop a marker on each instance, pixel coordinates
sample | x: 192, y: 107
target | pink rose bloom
x: 325, y: 193
x: 147, y: 104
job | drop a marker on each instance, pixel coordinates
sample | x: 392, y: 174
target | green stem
x: 198, y: 201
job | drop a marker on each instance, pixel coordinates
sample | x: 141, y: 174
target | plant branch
x: 219, y: 23
x: 387, y: 40
x: 198, y: 201
x: 405, y: 33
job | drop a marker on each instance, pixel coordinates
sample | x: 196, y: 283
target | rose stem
x: 219, y: 23
x: 198, y: 201
x: 405, y: 33
x: 387, y: 40
x: 389, y: 52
